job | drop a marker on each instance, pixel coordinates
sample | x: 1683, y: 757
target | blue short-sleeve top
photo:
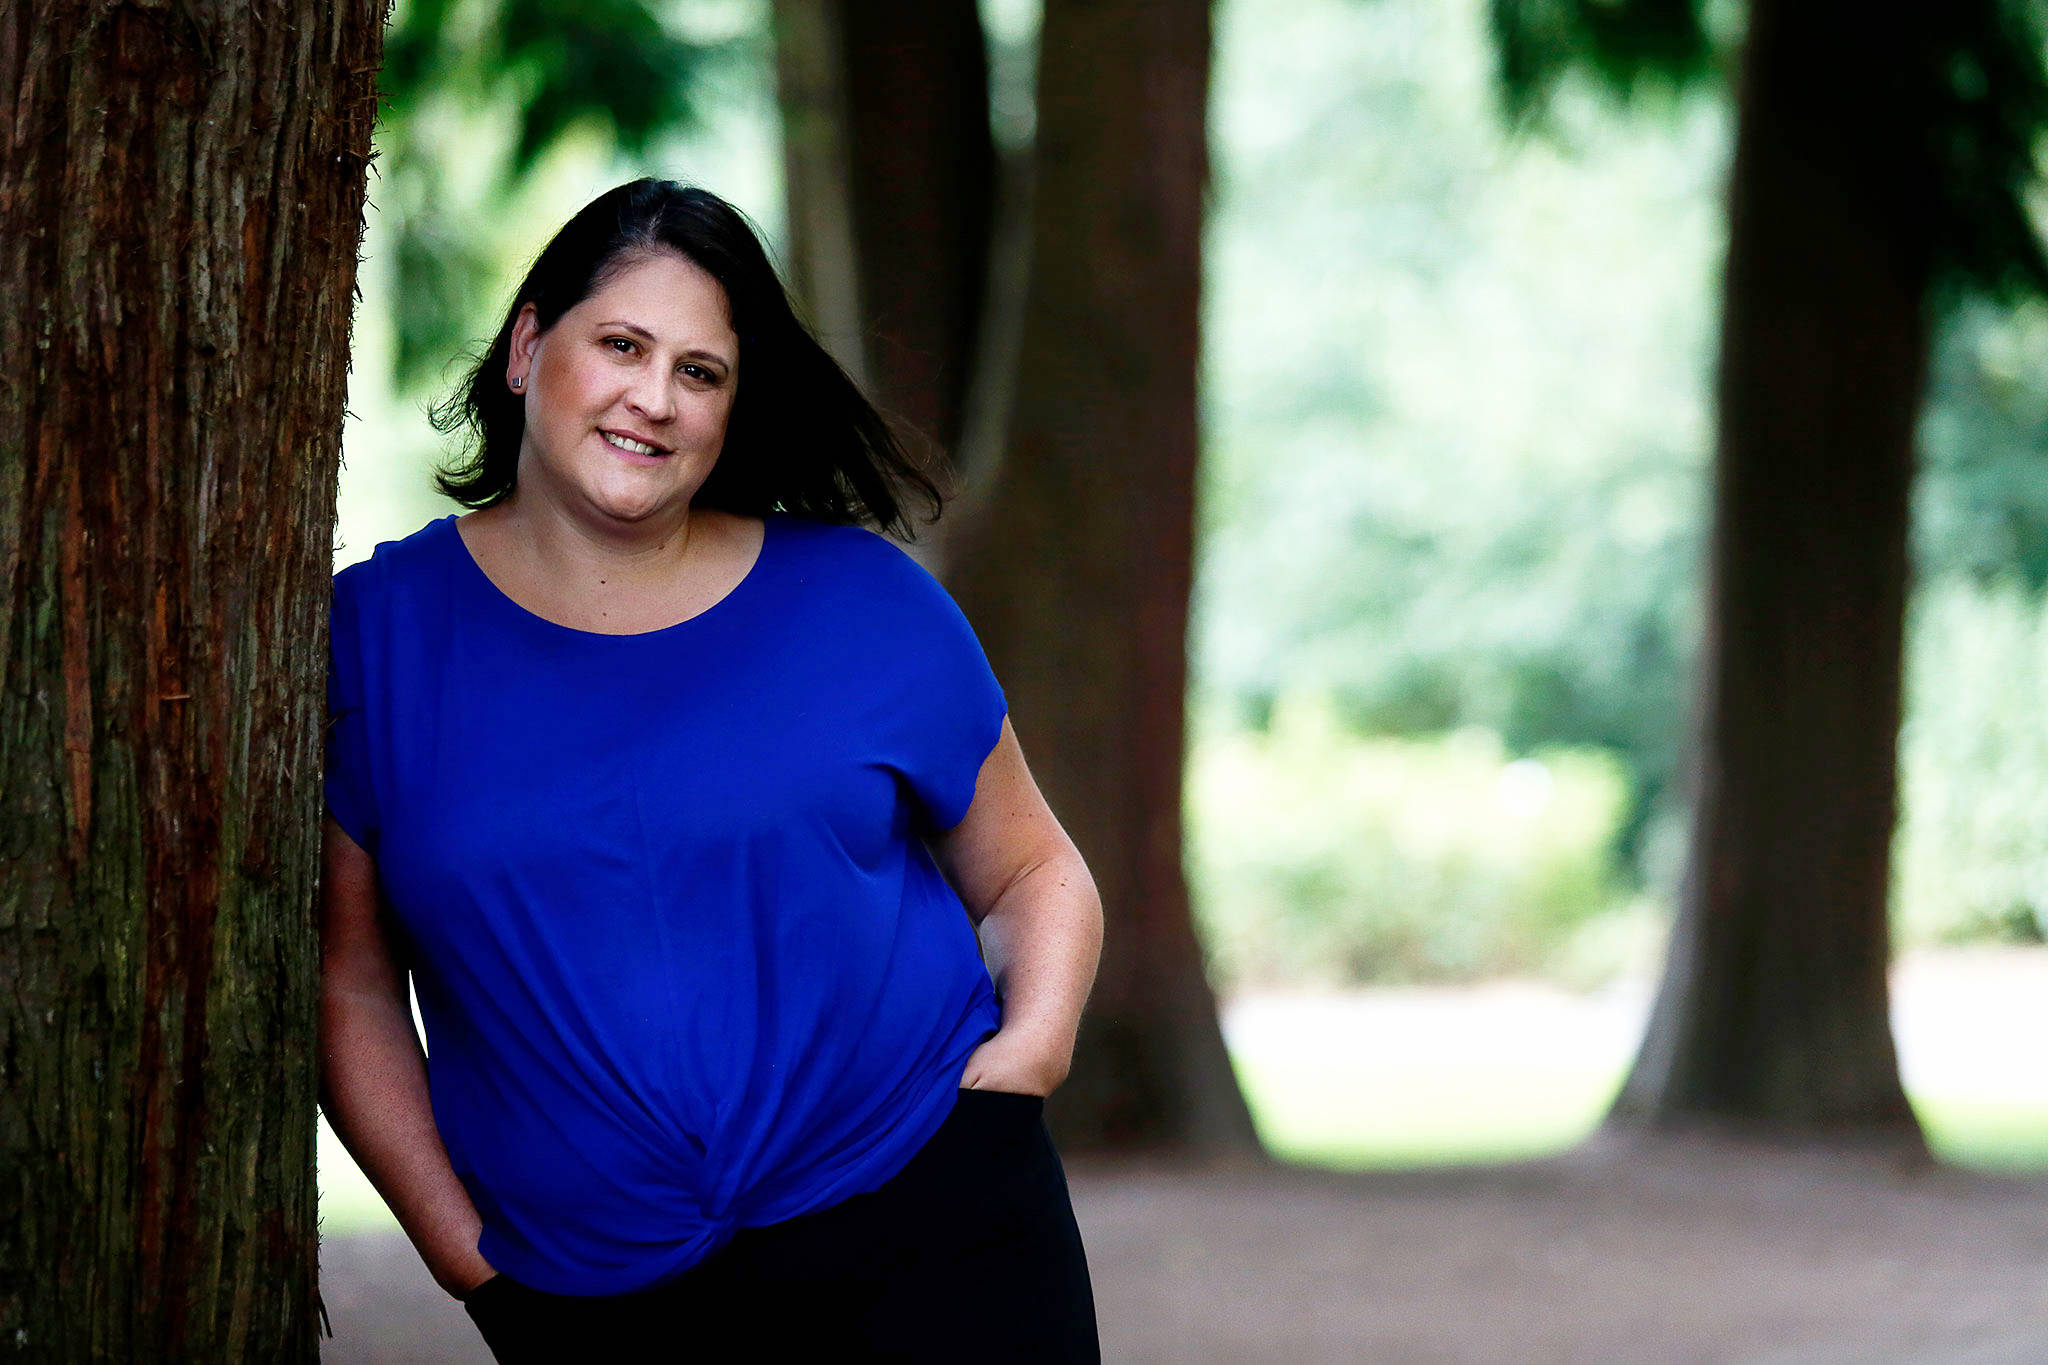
x: 684, y: 962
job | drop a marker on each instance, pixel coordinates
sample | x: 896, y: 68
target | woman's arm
x: 1024, y: 883
x: 373, y: 1074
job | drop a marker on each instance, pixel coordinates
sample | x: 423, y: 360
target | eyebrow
x: 637, y: 330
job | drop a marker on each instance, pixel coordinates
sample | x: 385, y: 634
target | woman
x: 668, y: 782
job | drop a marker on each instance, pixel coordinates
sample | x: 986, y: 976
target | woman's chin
x: 631, y: 499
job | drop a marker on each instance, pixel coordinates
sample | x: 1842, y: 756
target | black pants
x: 969, y: 1253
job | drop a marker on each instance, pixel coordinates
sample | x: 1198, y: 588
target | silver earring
x: 517, y: 382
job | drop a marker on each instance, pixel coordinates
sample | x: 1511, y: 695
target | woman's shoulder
x: 859, y: 568
x: 862, y: 582
x: 849, y: 546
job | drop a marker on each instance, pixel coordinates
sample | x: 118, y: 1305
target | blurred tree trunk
x: 892, y: 176
x: 810, y: 88
x: 1076, y: 567
x: 1773, y: 1013
x: 923, y: 176
x: 181, y: 199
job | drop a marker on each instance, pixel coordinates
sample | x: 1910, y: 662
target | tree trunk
x: 923, y: 173
x: 1076, y: 568
x: 181, y: 196
x: 892, y: 176
x: 810, y: 90
x: 1772, y: 1013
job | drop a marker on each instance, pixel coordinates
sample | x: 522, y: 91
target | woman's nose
x: 651, y: 398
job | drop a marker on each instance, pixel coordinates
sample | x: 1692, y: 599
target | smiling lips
x: 632, y: 445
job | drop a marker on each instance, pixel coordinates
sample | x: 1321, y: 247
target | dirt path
x: 1691, y: 1252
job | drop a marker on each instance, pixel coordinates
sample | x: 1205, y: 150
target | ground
x: 1678, y: 1252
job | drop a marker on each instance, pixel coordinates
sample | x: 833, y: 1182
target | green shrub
x: 1318, y: 856
x: 1970, y: 860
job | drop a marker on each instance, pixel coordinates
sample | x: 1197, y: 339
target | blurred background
x: 1460, y: 293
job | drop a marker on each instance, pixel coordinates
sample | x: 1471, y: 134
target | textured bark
x: 1773, y: 1010
x: 180, y: 206
x: 1076, y: 568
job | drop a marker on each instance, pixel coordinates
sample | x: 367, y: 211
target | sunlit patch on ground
x: 1384, y: 1078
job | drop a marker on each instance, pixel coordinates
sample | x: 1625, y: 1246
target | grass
x: 1381, y: 1117
x: 1986, y: 1136
x: 349, y: 1203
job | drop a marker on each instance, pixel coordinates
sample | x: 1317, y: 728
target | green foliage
x: 459, y: 76
x: 1981, y: 503
x: 1627, y: 44
x: 1455, y: 385
x: 1988, y: 113
x: 1319, y: 855
x: 611, y: 60
x: 1458, y: 434
x: 1971, y: 856
x: 1979, y: 84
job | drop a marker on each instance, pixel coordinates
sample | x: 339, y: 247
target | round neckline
x: 491, y: 590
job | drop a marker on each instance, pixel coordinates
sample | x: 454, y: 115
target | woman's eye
x: 700, y: 374
x: 621, y: 341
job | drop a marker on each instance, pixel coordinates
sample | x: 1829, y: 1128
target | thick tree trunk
x: 823, y: 263
x: 1773, y: 1012
x: 181, y: 195
x: 892, y: 176
x: 1076, y: 569
x: 923, y: 174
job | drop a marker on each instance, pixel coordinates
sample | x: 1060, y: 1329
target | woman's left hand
x: 1015, y: 1061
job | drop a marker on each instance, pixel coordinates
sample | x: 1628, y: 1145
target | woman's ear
x: 525, y: 340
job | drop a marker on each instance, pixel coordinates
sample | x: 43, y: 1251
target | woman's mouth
x: 638, y: 451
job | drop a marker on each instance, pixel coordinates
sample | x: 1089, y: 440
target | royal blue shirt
x: 684, y: 962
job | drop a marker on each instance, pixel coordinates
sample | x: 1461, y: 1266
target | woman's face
x: 650, y: 359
